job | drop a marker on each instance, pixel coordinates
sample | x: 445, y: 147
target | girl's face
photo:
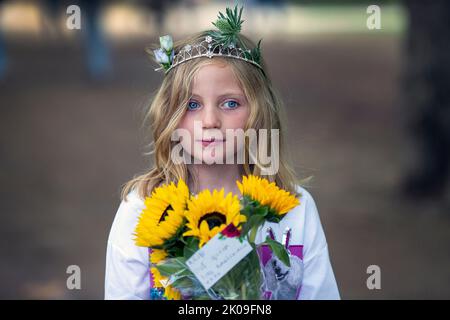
x: 217, y: 104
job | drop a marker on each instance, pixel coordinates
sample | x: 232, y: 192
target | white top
x: 127, y: 265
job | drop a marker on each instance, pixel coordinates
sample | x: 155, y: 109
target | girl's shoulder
x: 303, y: 220
x: 133, y: 198
x: 303, y: 223
x: 307, y: 205
x: 131, y: 205
x: 126, y: 218
x: 304, y: 195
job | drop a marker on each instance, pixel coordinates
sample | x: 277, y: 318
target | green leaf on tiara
x: 226, y: 40
x: 229, y: 27
x: 256, y: 53
x: 230, y: 24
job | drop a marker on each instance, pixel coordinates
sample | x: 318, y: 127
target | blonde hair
x: 169, y: 105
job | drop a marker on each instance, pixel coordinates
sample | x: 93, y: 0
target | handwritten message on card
x: 216, y: 258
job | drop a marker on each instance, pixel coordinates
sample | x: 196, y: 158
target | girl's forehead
x: 215, y: 76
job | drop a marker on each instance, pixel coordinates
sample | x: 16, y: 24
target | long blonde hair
x: 169, y: 105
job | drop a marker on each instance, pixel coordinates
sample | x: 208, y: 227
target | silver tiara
x: 207, y: 48
x: 224, y: 42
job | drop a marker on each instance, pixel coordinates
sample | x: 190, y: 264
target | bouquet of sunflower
x: 177, y: 227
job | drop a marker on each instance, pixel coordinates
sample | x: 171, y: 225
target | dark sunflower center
x: 164, y: 215
x: 213, y: 219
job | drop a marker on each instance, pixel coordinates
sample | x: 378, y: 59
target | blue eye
x: 192, y: 105
x: 232, y: 104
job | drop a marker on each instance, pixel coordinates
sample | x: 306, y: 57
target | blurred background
x: 369, y: 118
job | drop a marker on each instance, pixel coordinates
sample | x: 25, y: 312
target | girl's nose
x: 211, y: 117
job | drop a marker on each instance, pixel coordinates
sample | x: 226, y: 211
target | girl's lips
x: 206, y: 143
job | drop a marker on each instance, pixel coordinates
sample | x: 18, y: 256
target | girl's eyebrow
x: 222, y: 95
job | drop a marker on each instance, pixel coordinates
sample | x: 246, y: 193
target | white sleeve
x: 318, y: 279
x: 127, y: 265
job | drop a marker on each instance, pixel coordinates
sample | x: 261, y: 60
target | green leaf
x: 229, y: 25
x: 261, y: 211
x: 255, y: 220
x: 182, y: 282
x: 192, y: 246
x: 172, y: 266
x: 247, y: 211
x: 256, y: 52
x: 279, y: 250
x: 273, y: 216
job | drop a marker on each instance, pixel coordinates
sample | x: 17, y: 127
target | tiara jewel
x: 224, y: 42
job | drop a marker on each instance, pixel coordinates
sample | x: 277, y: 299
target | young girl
x: 214, y: 84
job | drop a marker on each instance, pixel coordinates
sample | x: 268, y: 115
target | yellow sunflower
x: 163, y: 215
x: 158, y: 281
x: 267, y: 194
x: 172, y: 293
x: 157, y: 255
x: 209, y: 213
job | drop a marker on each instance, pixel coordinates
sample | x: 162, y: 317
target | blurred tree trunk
x: 427, y: 93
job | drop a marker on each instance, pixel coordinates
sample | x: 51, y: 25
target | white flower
x: 160, y: 56
x: 166, y: 43
x: 208, y: 39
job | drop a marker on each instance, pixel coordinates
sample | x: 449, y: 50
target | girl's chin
x: 210, y: 157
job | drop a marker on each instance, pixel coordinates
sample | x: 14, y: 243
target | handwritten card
x: 216, y: 258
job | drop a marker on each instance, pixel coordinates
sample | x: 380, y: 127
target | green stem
x: 253, y: 232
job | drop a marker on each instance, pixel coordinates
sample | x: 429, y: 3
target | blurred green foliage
x: 344, y: 2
